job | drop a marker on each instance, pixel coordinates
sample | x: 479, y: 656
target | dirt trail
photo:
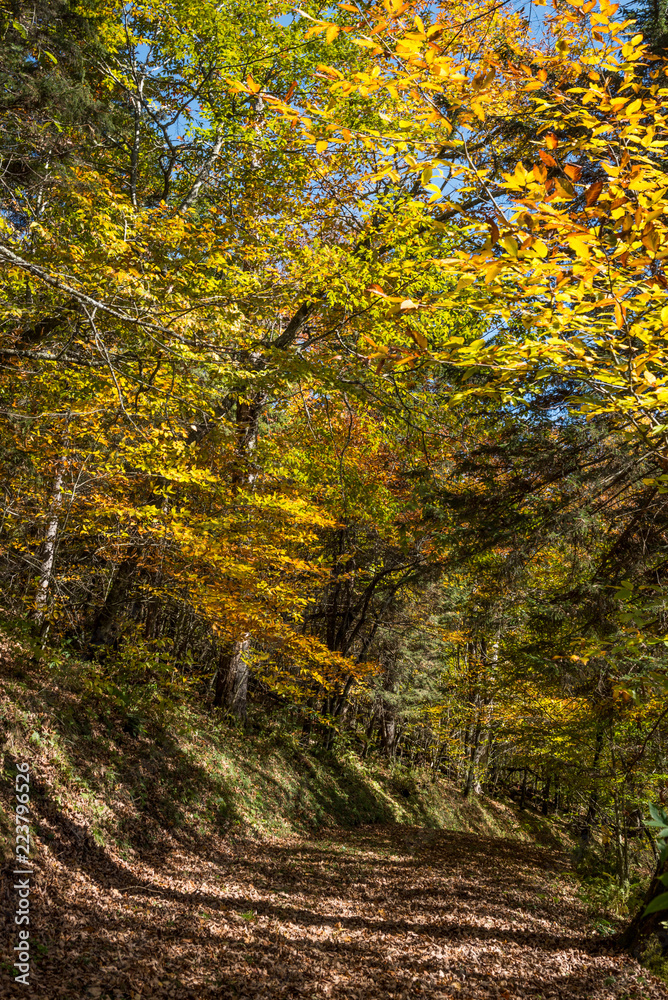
x: 368, y: 914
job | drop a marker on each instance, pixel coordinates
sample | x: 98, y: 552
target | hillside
x: 179, y: 857
x: 127, y: 771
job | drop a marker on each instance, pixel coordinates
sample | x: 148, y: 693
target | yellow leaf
x: 321, y: 145
x: 331, y: 33
x: 564, y: 187
x: 509, y: 243
x: 578, y: 247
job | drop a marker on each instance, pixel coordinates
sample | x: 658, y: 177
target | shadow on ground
x: 149, y: 884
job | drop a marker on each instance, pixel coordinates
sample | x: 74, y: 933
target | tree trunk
x: 546, y: 795
x: 231, y: 690
x: 620, y: 841
x: 369, y: 729
x: 523, y: 791
x: 307, y: 719
x: 590, y: 818
x: 46, y: 569
x: 105, y: 624
x: 641, y: 929
x: 476, y: 749
x: 592, y: 806
x: 387, y: 712
x: 388, y: 731
x: 479, y: 734
x: 231, y: 685
x: 247, y: 432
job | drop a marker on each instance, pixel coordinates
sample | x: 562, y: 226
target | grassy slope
x: 131, y: 778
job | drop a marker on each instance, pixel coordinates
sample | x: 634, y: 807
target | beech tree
x: 333, y: 376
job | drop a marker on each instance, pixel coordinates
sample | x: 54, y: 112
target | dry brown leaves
x: 370, y: 914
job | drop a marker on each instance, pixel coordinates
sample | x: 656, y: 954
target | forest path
x: 373, y: 913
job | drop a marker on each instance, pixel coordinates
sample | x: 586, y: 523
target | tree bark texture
x: 46, y: 569
x: 105, y: 624
x: 231, y: 690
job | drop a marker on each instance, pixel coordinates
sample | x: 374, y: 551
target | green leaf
x: 661, y: 830
x: 659, y: 902
x: 658, y: 815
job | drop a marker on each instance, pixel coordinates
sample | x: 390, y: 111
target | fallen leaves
x: 349, y: 915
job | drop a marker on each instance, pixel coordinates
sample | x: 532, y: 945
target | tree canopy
x: 334, y: 373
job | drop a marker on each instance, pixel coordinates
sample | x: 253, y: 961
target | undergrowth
x: 132, y: 759
x: 610, y: 903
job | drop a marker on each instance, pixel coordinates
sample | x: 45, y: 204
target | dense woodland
x: 333, y: 378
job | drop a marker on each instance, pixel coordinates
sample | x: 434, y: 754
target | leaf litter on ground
x: 373, y: 913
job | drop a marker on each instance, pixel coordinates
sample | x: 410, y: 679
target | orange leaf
x: 551, y: 141
x: 547, y: 159
x: 593, y: 193
x: 651, y: 240
x: 620, y: 315
x: 419, y: 339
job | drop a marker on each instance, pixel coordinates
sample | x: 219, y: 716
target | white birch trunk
x: 46, y: 570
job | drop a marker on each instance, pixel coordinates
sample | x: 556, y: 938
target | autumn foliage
x: 334, y: 375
